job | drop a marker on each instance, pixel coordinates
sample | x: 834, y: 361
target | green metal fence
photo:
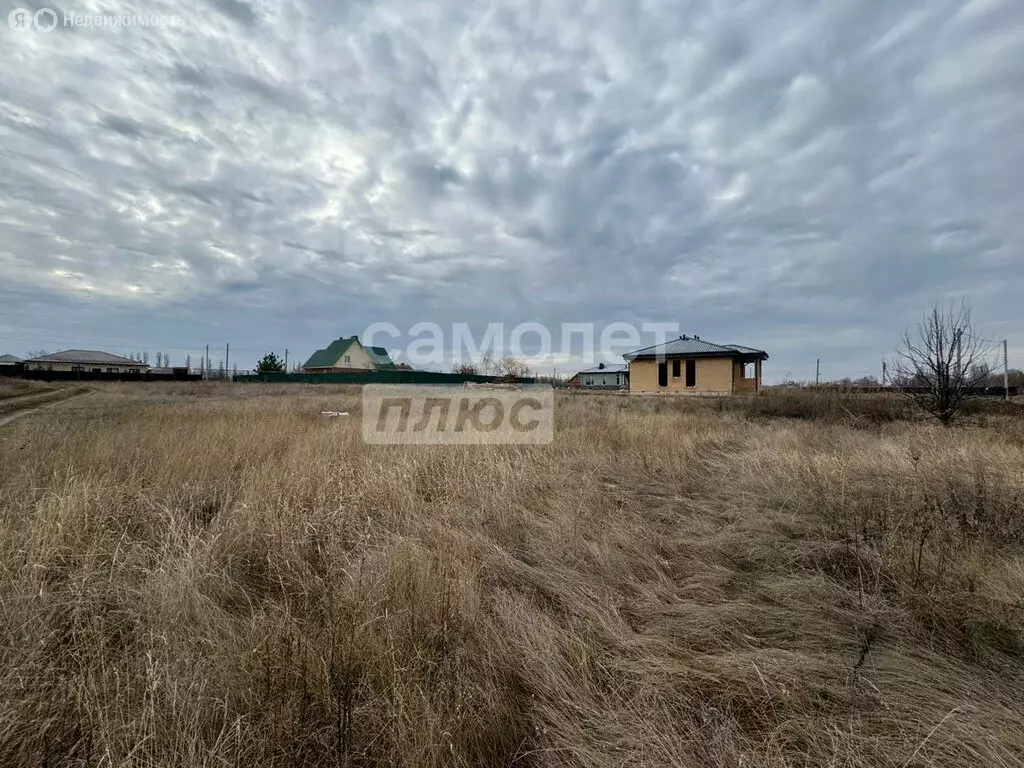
x: 375, y: 377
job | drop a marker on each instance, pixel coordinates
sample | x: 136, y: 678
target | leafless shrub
x: 511, y: 368
x: 466, y: 368
x: 942, y: 361
x: 820, y: 404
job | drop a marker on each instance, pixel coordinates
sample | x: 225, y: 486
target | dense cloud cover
x: 795, y: 175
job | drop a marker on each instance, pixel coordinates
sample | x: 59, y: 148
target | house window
x: 111, y: 370
x: 691, y: 373
x: 675, y: 369
x: 588, y: 381
x: 747, y: 371
x: 348, y: 359
x: 77, y: 368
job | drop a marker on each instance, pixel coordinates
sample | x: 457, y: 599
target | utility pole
x: 1006, y: 373
x: 817, y: 373
x: 286, y: 360
x: 884, y: 372
x: 227, y: 358
x: 207, y: 362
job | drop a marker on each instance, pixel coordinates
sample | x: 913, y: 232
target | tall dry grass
x: 13, y: 387
x: 211, y: 576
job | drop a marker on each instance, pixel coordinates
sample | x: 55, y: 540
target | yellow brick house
x: 690, y: 365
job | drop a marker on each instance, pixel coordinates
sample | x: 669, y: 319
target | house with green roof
x: 348, y: 354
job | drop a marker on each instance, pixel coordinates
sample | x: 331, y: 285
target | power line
x: 983, y: 341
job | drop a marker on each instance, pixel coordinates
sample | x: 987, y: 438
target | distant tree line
x: 507, y: 368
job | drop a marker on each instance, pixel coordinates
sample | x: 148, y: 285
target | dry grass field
x: 11, y: 388
x: 215, y: 575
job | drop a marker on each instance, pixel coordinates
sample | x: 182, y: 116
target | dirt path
x: 14, y: 408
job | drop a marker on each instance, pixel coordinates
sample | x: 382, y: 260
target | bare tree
x: 981, y: 372
x: 487, y: 363
x: 511, y: 368
x: 942, y: 361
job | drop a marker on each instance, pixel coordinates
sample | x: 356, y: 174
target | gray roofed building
x: 84, y: 356
x: 606, y: 368
x: 603, y: 376
x: 9, y: 360
x: 694, y: 346
x: 85, y: 359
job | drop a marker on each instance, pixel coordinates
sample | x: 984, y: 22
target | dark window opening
x: 662, y: 374
x: 675, y: 369
x: 691, y: 373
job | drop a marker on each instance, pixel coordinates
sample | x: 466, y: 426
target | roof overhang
x: 737, y: 355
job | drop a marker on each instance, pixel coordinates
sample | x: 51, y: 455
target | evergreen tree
x: 270, y: 363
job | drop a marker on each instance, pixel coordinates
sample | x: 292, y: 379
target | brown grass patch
x: 215, y: 575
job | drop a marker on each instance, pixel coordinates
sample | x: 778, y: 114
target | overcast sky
x: 799, y: 176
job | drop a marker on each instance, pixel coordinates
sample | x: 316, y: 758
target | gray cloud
x: 237, y: 10
x: 798, y: 176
